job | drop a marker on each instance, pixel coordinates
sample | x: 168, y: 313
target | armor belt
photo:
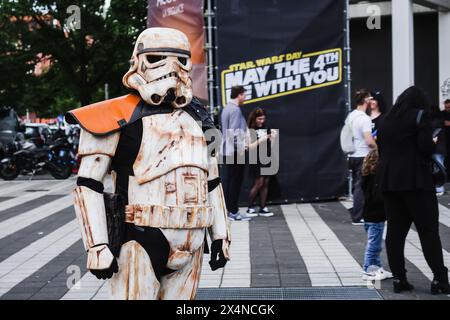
x: 158, y: 216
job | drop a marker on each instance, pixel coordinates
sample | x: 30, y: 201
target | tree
x: 75, y: 63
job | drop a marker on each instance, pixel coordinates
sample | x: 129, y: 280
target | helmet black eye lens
x: 154, y: 59
x: 183, y: 61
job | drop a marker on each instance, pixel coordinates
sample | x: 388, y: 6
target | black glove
x: 217, y: 256
x: 106, y: 273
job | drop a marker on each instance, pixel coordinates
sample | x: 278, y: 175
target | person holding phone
x: 257, y: 122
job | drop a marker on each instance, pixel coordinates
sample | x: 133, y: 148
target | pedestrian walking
x: 405, y: 177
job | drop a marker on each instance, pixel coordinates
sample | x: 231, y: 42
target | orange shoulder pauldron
x: 106, y: 116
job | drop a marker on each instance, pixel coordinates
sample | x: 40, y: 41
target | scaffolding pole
x: 348, y: 75
x: 209, y: 15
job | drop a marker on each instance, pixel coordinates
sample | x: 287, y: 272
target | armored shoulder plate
x: 105, y: 117
x: 197, y: 111
x: 109, y: 116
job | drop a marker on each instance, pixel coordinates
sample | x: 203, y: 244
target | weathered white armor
x: 169, y: 191
x: 89, y: 207
x: 161, y: 61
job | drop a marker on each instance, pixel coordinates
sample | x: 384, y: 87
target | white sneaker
x: 382, y: 274
x: 378, y: 275
x: 265, y: 212
x: 251, y: 212
x: 358, y: 223
x: 368, y: 276
x: 238, y: 217
x: 245, y: 216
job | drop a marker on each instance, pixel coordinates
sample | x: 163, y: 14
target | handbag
x: 438, y: 169
x: 115, y: 221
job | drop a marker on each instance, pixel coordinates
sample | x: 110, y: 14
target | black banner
x: 288, y: 54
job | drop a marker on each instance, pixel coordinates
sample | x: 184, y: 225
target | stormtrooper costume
x: 153, y: 144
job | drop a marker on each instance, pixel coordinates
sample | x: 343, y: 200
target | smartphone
x: 436, y: 132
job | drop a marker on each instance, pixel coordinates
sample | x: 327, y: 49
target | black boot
x: 440, y: 284
x: 402, y: 285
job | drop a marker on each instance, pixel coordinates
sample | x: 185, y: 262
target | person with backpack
x: 358, y: 126
x: 148, y: 236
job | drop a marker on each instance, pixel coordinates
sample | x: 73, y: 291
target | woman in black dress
x: 406, y: 144
x: 257, y: 122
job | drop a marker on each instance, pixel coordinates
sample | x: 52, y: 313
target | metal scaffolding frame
x: 210, y: 48
x: 348, y: 74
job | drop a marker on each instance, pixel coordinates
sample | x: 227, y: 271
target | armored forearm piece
x: 91, y: 216
x: 220, y: 228
x: 88, y: 197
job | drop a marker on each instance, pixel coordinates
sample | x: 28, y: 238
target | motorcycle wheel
x: 9, y: 172
x: 62, y: 173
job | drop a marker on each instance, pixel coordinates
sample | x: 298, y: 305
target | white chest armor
x: 169, y: 141
x: 170, y: 183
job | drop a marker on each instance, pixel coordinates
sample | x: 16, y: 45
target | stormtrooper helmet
x: 160, y: 66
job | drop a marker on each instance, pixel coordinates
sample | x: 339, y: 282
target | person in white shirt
x: 364, y: 142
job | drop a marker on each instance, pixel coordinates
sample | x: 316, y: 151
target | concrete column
x: 444, y: 56
x: 402, y: 46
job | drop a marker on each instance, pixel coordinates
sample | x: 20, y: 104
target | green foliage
x: 81, y: 60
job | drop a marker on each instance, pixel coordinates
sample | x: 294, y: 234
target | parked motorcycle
x: 7, y: 138
x: 29, y: 159
x: 73, y: 137
x: 64, y: 155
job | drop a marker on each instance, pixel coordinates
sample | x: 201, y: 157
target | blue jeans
x: 441, y: 157
x: 374, y: 244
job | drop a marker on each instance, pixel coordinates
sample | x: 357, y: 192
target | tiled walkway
x: 301, y: 246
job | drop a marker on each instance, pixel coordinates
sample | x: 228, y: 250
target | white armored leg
x: 183, y: 284
x: 136, y: 278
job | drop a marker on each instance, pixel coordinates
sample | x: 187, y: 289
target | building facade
x: 399, y: 43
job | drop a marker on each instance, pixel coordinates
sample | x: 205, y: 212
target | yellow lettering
x: 260, y: 62
x: 250, y: 65
x: 234, y: 67
x: 293, y: 56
